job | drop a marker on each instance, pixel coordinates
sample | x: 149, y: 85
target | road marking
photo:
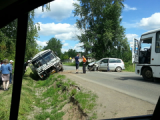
x: 119, y: 90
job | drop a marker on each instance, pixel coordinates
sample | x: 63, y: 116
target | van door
x: 112, y: 64
x: 103, y: 64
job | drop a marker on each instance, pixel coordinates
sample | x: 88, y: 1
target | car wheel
x: 118, y: 69
x: 89, y: 68
x: 147, y: 74
x: 62, y: 68
x: 94, y: 69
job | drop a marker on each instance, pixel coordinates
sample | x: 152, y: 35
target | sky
x: 138, y: 17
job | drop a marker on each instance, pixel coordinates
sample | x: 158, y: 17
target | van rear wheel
x: 118, y: 69
x: 147, y: 74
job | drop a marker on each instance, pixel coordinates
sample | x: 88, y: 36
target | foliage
x: 72, y: 53
x: 8, y: 35
x: 129, y: 66
x: 55, y: 45
x: 65, y: 57
x: 101, y: 32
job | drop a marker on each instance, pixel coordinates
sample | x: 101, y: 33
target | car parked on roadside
x: 109, y: 64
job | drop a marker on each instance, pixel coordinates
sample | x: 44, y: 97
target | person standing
x: 77, y: 62
x: 5, y: 69
x: 84, y: 64
x: 11, y: 64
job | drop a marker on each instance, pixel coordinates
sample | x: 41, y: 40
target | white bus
x: 146, y: 55
x: 45, y: 63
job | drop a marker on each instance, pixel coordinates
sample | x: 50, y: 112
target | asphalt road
x: 126, y: 82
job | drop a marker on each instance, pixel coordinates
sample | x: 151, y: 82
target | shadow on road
x: 157, y: 81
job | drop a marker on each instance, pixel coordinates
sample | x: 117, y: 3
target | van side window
x: 112, y: 60
x: 157, y: 47
x: 105, y: 61
x: 118, y: 61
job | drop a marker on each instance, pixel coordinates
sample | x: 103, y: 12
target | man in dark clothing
x: 84, y: 64
x: 77, y: 62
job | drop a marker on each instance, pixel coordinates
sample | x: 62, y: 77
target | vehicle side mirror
x: 101, y: 62
x: 56, y: 53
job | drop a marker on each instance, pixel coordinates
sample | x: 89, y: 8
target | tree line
x: 101, y: 33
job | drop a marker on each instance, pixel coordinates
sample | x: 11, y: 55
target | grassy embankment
x: 45, y: 99
x: 129, y: 67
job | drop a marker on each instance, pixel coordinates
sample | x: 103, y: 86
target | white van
x: 109, y: 64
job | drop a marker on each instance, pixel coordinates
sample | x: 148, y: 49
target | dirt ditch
x: 72, y: 109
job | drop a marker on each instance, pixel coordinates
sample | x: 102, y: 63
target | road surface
x: 125, y: 82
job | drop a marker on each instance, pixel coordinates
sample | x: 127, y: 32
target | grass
x: 69, y: 63
x: 74, y: 64
x: 129, y: 67
x: 60, y: 95
x: 86, y: 100
x: 48, y: 96
x: 26, y: 102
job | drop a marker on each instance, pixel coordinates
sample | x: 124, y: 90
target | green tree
x: 72, y: 53
x: 55, y: 45
x: 8, y: 37
x: 65, y: 57
x: 102, y: 34
x: 32, y: 35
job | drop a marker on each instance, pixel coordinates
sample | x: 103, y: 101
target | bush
x: 129, y: 66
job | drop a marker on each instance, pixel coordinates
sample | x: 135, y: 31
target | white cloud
x: 41, y: 43
x: 62, y: 31
x: 60, y: 9
x: 67, y: 36
x: 64, y: 50
x: 127, y: 8
x: 150, y: 23
x: 78, y: 47
x: 130, y: 37
x: 63, y: 41
x: 65, y: 44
